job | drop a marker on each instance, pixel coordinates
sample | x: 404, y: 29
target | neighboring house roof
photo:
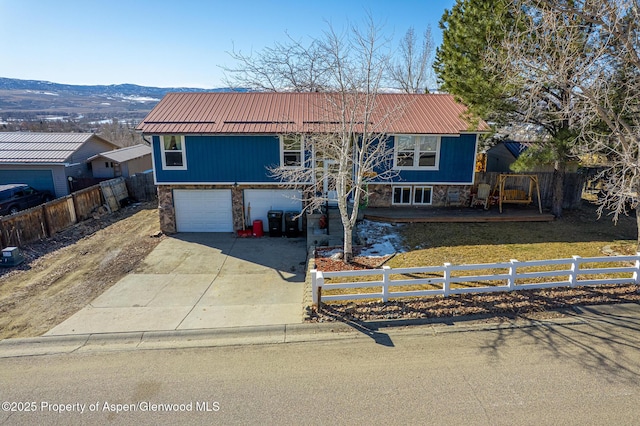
x: 26, y: 147
x: 206, y: 113
x: 515, y: 148
x: 124, y: 154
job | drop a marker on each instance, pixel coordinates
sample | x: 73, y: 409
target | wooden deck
x: 457, y: 215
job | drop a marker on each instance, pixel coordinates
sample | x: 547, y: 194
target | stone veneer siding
x: 381, y: 195
x: 167, y: 210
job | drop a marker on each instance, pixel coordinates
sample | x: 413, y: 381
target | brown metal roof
x: 204, y: 113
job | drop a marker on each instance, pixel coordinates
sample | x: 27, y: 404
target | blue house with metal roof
x: 214, y: 154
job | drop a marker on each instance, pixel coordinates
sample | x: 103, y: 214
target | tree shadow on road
x: 598, y: 341
x: 369, y: 330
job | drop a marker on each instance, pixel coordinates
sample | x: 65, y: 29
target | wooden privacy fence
x: 141, y: 186
x: 86, y: 201
x: 114, y: 191
x: 451, y: 279
x: 50, y: 218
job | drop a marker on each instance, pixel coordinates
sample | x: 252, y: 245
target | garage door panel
x: 263, y: 200
x: 39, y: 179
x: 203, y: 210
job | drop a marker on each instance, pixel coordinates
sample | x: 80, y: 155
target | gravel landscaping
x: 387, y: 244
x: 528, y: 304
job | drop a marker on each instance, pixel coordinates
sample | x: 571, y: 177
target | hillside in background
x: 34, y: 99
x: 109, y: 111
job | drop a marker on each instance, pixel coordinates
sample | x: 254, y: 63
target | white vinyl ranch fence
x: 514, y: 275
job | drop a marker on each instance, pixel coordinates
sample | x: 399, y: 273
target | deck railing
x: 451, y: 279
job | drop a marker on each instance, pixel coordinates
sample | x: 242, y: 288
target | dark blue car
x: 17, y: 196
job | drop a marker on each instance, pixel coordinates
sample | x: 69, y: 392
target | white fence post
x: 512, y: 275
x: 516, y: 279
x: 447, y: 277
x: 317, y: 281
x: 314, y: 275
x: 385, y: 283
x: 575, y: 267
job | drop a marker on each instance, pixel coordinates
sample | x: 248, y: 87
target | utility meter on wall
x: 11, y: 256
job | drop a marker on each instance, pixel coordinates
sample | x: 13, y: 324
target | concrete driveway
x: 202, y: 280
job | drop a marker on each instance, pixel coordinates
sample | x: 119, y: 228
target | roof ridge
x: 128, y: 147
x: 277, y: 112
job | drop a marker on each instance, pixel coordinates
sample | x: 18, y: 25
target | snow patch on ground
x: 374, y: 240
x: 141, y: 99
x: 329, y: 253
x: 379, y: 239
x: 38, y: 92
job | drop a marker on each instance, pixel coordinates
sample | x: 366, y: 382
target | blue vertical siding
x: 456, y: 165
x: 247, y: 158
x: 212, y: 159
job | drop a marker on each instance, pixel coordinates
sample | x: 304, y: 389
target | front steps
x: 317, y: 237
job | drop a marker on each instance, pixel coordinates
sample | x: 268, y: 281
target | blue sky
x: 175, y: 43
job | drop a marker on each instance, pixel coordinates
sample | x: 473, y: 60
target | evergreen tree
x: 514, y: 62
x: 470, y: 29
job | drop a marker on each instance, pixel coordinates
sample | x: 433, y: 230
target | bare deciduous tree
x: 412, y: 71
x: 610, y: 99
x: 539, y: 62
x: 348, y: 126
x: 284, y: 67
x: 120, y: 133
x: 595, y: 47
x: 349, y: 133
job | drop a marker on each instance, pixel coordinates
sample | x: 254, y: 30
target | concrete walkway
x: 201, y: 281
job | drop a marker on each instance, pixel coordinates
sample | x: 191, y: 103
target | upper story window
x: 416, y: 151
x: 173, y: 152
x: 291, y: 151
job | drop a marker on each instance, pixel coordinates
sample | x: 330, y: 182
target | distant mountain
x: 34, y: 98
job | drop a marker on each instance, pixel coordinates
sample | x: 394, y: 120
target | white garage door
x: 203, y: 210
x: 263, y: 200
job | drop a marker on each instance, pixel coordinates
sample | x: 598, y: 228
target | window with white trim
x: 416, y: 152
x: 422, y: 195
x: 291, y: 151
x: 401, y: 195
x: 411, y: 195
x: 173, y: 152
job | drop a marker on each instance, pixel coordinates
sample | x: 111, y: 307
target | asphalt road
x: 565, y: 374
